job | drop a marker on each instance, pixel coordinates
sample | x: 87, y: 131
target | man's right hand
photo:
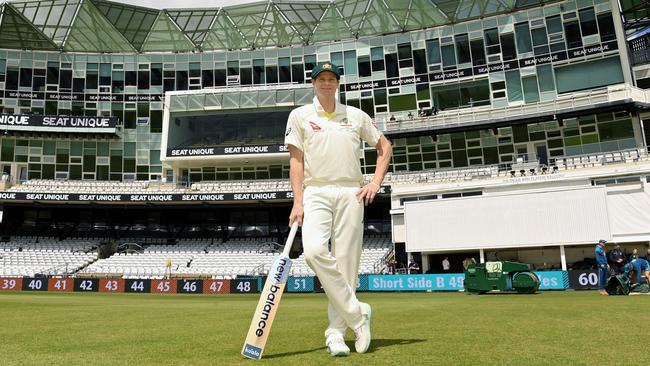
x: 296, y: 214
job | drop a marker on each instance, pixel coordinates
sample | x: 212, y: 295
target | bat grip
x: 292, y: 235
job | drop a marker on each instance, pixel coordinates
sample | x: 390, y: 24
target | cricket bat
x: 262, y: 321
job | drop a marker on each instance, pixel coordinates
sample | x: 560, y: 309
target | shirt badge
x: 314, y: 126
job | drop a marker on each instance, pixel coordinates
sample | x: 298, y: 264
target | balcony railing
x: 485, y: 115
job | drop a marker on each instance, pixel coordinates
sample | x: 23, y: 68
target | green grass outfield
x: 550, y: 328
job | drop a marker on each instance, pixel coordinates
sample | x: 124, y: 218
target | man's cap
x: 325, y: 66
x: 602, y: 241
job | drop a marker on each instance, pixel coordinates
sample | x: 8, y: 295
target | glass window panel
x: 368, y: 106
x: 207, y: 78
x: 462, y: 49
x: 310, y: 61
x: 448, y: 55
x: 155, y: 121
x: 219, y: 77
x: 337, y: 58
x: 474, y: 93
x: 271, y: 74
x: 258, y: 71
x: 491, y: 37
x: 554, y: 24
x: 606, y: 27
x: 616, y: 130
x: 420, y: 61
x: 377, y: 58
x: 380, y: 96
x: 156, y: 74
x: 404, y: 51
x: 508, y: 49
x: 572, y: 34
x: 588, y: 22
x: 433, y: 51
x: 522, y: 31
x: 364, y: 66
x: 513, y: 86
x: 350, y: 62
x: 402, y: 102
x: 588, y: 75
x: 531, y: 94
x: 478, y: 52
x: 129, y: 119
x: 545, y: 78
x: 539, y: 36
x: 446, y: 96
x: 246, y: 76
x: 298, y: 73
x: 130, y: 78
x: 181, y: 80
x: 25, y: 77
x: 195, y: 69
x: 233, y: 68
x: 39, y: 84
x: 143, y: 79
x: 392, y: 70
x: 376, y: 53
x: 65, y: 79
x: 52, y: 72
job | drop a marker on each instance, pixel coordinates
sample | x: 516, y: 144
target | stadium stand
x: 207, y: 259
x: 27, y: 256
x: 485, y: 97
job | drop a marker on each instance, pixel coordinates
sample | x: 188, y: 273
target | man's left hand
x: 367, y: 193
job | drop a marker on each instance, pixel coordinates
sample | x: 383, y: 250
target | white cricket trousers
x: 332, y: 213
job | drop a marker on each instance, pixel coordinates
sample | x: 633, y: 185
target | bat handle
x: 292, y: 235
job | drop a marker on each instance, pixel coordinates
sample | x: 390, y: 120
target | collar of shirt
x: 339, y: 110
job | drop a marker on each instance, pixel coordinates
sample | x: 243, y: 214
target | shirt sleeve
x: 293, y: 134
x: 368, y: 131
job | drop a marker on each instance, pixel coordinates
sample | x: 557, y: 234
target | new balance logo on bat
x: 266, y: 310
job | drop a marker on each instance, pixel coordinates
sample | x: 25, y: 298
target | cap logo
x: 327, y: 66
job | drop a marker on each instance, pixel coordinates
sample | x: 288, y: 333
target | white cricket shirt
x: 331, y: 147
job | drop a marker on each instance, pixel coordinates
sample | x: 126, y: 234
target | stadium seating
x: 80, y: 186
x: 272, y: 185
x: 203, y: 258
x: 29, y: 256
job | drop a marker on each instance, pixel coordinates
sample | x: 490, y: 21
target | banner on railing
x: 29, y: 122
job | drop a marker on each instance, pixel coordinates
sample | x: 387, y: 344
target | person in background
x: 641, y: 269
x: 603, y: 267
x: 647, y: 256
x: 634, y: 255
x: 617, y: 259
x: 414, y: 268
x: 410, y: 115
x: 446, y: 266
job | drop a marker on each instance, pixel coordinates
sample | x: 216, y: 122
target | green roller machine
x: 500, y: 276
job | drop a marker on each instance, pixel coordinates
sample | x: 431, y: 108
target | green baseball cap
x: 325, y: 66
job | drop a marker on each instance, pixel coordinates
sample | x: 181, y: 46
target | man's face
x: 326, y: 84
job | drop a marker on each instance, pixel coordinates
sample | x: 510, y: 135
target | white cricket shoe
x: 362, y: 333
x: 336, y: 346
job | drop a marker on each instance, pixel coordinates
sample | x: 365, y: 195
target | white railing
x: 485, y: 114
